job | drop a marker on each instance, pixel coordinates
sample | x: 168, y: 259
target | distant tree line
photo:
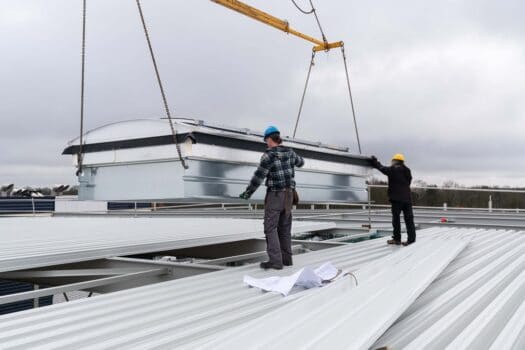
x: 455, y: 195
x: 48, y: 191
x: 450, y: 192
x: 36, y: 192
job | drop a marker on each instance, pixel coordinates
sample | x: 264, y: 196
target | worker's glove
x: 245, y: 195
x: 375, y: 162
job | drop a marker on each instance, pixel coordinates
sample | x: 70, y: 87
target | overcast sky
x: 442, y: 82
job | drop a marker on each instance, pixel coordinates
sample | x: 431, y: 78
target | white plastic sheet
x: 307, y: 277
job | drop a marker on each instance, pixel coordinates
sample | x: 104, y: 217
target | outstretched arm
x: 384, y: 169
x: 258, y: 177
x: 298, y: 161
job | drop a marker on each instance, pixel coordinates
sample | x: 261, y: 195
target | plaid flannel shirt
x: 277, y: 167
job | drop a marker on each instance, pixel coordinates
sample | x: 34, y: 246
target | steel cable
x: 314, y: 12
x: 318, y: 23
x: 82, y: 83
x: 304, y: 93
x: 303, y: 11
x: 351, y: 99
x: 164, y: 100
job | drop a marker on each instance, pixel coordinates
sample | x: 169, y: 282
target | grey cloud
x: 438, y: 81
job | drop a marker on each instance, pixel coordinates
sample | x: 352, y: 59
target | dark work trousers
x: 278, y: 226
x: 408, y: 213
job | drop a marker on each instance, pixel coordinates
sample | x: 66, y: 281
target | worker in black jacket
x: 399, y: 179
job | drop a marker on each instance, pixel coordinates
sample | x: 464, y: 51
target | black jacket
x: 399, y: 179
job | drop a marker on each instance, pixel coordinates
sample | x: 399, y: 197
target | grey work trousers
x: 278, y: 226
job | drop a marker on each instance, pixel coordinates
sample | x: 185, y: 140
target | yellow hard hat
x: 398, y: 156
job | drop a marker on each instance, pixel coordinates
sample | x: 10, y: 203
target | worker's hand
x: 245, y: 195
x: 375, y: 162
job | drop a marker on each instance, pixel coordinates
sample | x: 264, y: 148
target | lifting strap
x: 164, y: 100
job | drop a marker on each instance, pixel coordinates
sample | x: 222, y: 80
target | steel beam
x: 6, y: 299
x: 31, y: 274
x: 249, y: 257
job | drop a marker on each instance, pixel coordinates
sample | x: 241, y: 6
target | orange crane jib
x: 275, y: 22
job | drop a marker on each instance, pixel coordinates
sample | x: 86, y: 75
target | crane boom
x: 275, y: 22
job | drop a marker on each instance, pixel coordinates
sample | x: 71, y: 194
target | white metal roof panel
x: 43, y: 241
x: 178, y: 312
x: 356, y: 317
x: 192, y: 311
x: 474, y: 304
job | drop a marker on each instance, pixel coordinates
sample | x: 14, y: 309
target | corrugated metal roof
x: 476, y: 300
x: 44, y: 241
x: 353, y: 318
x: 180, y: 311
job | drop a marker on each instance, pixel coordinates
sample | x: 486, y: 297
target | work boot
x: 393, y: 241
x: 408, y: 243
x: 270, y: 265
x: 287, y: 261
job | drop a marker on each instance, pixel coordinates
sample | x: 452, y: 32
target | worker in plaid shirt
x: 277, y: 168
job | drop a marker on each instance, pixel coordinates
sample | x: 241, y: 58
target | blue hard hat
x: 270, y: 130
